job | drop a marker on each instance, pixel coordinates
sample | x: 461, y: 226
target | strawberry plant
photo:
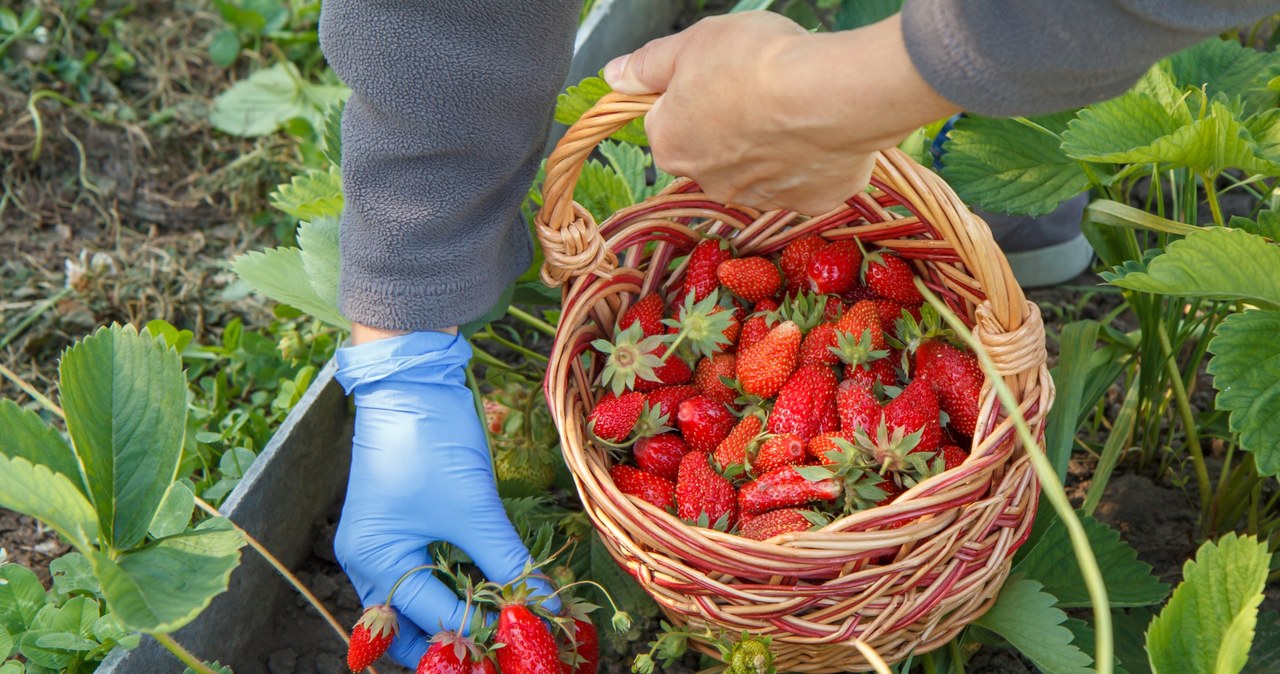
x: 109, y: 492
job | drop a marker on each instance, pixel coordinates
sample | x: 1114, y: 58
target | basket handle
x: 571, y: 243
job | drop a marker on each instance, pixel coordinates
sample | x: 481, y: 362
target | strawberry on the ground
x: 857, y: 407
x: 818, y: 345
x: 916, y: 409
x: 833, y: 269
x: 796, y: 257
x: 862, y: 320
x: 645, y: 486
x: 700, y: 276
x: 666, y: 400
x: 891, y: 277
x: 672, y: 372
x: 953, y: 456
x: 648, y: 312
x: 452, y: 653
x: 763, y: 368
x: 956, y: 378
x: 708, y: 373
x: 371, y: 636
x: 660, y: 454
x: 614, y: 417
x: 784, y: 488
x: 806, y: 403
x: 733, y: 449
x: 702, y: 492
x: 704, y: 423
x: 778, y: 451
x: 528, y: 647
x: 751, y: 278
x: 774, y: 523
x: 821, y: 446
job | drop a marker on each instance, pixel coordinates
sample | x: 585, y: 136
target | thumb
x: 647, y: 70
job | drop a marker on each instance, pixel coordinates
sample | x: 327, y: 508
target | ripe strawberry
x: 585, y: 645
x: 645, y: 486
x: 857, y: 408
x: 614, y: 417
x: 648, y: 312
x: 806, y: 404
x: 833, y: 310
x: 822, y: 445
x: 666, y: 400
x: 751, y: 278
x: 700, y: 490
x: 700, y: 276
x: 763, y: 368
x: 730, y: 333
x: 708, y: 374
x: 890, y: 312
x: 892, y: 277
x: 860, y: 320
x: 757, y: 324
x: 660, y: 454
x: 795, y: 260
x: 672, y: 372
x: 957, y: 380
x: 528, y: 647
x: 784, y: 488
x: 818, y: 344
x: 778, y: 451
x: 371, y: 636
x: 916, y: 408
x: 733, y: 449
x: 879, y: 371
x: 774, y: 523
x: 891, y: 489
x: 833, y: 269
x: 704, y: 423
x: 451, y: 653
x: 953, y: 456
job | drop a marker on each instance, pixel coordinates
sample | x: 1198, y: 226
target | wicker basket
x: 900, y: 590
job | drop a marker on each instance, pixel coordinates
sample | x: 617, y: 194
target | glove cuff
x: 392, y: 357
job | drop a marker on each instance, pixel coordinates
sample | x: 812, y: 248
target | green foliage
x: 281, y: 274
x: 1028, y: 619
x: 268, y: 99
x: 579, y: 98
x: 314, y: 194
x: 1050, y: 562
x: 1209, y: 264
x: 1246, y: 372
x: 1209, y: 622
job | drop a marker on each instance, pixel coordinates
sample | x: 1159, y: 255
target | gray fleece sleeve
x: 449, y: 112
x: 1022, y: 57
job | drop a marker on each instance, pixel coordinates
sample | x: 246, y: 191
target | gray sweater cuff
x: 1026, y: 57
x: 449, y: 112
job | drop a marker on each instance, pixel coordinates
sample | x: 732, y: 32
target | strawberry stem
x: 405, y: 577
x: 621, y: 619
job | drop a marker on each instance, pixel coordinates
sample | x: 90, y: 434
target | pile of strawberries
x: 771, y: 395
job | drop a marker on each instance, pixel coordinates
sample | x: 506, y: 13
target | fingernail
x: 614, y: 69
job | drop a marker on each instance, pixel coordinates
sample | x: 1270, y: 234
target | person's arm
x: 1022, y: 57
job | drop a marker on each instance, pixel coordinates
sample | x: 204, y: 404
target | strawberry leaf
x: 1208, y: 264
x: 1028, y: 619
x: 310, y: 195
x: 577, y: 99
x: 1246, y: 372
x: 1051, y: 562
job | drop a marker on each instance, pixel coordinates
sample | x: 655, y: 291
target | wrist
x: 363, y: 334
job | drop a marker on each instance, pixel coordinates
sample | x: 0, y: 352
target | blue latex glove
x: 420, y: 473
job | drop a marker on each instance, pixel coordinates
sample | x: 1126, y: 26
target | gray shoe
x: 1045, y: 250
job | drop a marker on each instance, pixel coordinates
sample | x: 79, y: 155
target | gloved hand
x: 420, y: 473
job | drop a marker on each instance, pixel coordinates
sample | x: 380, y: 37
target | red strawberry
x: 701, y: 490
x: 892, y: 490
x: 764, y: 367
x: 860, y: 320
x: 890, y: 312
x: 735, y: 327
x: 707, y: 377
x: 832, y: 310
x: 528, y: 647
x: 765, y: 306
x: 672, y: 372
x: 806, y: 404
x: 648, y: 311
x: 733, y: 449
x: 704, y: 423
x: 666, y: 400
x: 784, y: 488
x: 821, y: 445
x: 614, y: 417
x: 751, y: 278
x: 869, y: 374
x: 796, y: 257
x: 585, y: 645
x: 892, y: 277
x: 953, y: 456
x: 644, y: 486
x: 778, y: 451
x: 451, y: 653
x: 774, y: 523
x: 700, y: 276
x: 833, y: 269
x: 857, y: 408
x: 817, y: 345
x: 660, y: 454
x: 757, y: 324
x: 916, y: 408
x: 371, y: 637
x: 957, y: 380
